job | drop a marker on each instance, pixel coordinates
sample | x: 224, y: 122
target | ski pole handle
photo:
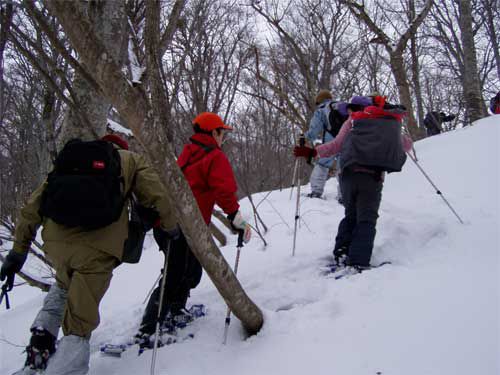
x: 294, y: 176
x: 241, y: 233
x: 302, y: 140
x: 5, y: 290
x: 302, y: 143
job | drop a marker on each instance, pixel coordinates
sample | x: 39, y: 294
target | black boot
x: 178, y: 313
x: 340, y: 255
x: 42, y: 346
x: 314, y: 195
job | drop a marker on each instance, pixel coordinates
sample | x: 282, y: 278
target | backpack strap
x: 331, y: 107
x: 205, y: 147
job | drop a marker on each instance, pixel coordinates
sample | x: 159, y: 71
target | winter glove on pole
x: 163, y: 237
x: 239, y: 224
x: 304, y: 152
x: 13, y: 263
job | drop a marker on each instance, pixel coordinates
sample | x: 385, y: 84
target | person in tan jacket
x: 84, y: 261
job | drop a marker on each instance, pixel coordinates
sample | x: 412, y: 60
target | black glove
x: 163, y: 237
x: 13, y: 263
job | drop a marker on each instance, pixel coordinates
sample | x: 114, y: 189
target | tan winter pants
x: 86, y: 274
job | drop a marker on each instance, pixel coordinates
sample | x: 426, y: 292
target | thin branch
x: 172, y: 26
x: 57, y: 44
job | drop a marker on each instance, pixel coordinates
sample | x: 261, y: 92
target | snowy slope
x: 433, y: 311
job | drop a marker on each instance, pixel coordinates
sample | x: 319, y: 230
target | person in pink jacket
x: 370, y: 143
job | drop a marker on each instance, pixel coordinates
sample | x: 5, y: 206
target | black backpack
x: 335, y: 120
x: 431, y: 120
x: 85, y: 189
x: 374, y: 143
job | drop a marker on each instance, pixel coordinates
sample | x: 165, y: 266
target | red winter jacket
x: 209, y: 175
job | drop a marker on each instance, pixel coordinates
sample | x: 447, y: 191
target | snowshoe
x: 27, y: 371
x: 170, y: 333
x: 339, y: 267
x: 182, y: 317
x: 343, y: 271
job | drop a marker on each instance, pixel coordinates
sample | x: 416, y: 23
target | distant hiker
x: 211, y: 178
x: 370, y: 143
x: 495, y: 104
x: 82, y: 208
x: 433, y: 122
x: 326, y: 122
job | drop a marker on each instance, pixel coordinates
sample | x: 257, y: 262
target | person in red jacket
x: 211, y: 178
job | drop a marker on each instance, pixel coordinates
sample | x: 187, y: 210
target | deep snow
x: 433, y: 311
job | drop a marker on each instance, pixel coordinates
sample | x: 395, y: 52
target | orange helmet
x: 208, y: 121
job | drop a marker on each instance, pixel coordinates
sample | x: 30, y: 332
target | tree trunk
x: 396, y: 52
x: 7, y: 15
x: 492, y: 32
x: 399, y: 71
x: 217, y: 233
x: 109, y: 22
x: 134, y: 107
x: 47, y: 150
x: 415, y: 69
x: 474, y: 105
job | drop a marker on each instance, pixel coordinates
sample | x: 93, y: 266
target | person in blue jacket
x: 321, y: 128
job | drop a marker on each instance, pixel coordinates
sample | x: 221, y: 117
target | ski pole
x: 228, y: 315
x: 435, y: 187
x: 151, y: 290
x: 293, y: 178
x: 302, y: 142
x: 160, y: 305
x: 5, y: 290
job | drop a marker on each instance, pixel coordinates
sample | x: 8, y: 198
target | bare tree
x: 447, y: 52
x: 138, y: 113
x: 395, y: 49
x: 415, y: 65
x: 309, y: 55
x: 492, y: 10
x: 6, y: 11
x: 475, y: 108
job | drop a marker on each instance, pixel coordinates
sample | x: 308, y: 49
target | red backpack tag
x: 98, y: 164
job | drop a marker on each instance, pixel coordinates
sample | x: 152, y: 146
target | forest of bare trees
x: 67, y: 68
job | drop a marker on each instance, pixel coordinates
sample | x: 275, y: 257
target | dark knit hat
x: 322, y: 96
x: 117, y: 140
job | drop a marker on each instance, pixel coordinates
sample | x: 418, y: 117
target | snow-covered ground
x: 433, y: 311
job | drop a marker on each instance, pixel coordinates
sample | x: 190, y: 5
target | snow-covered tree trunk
x: 135, y: 108
x: 401, y: 77
x: 108, y: 21
x: 7, y: 14
x: 475, y: 108
x: 415, y: 67
x: 492, y: 8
